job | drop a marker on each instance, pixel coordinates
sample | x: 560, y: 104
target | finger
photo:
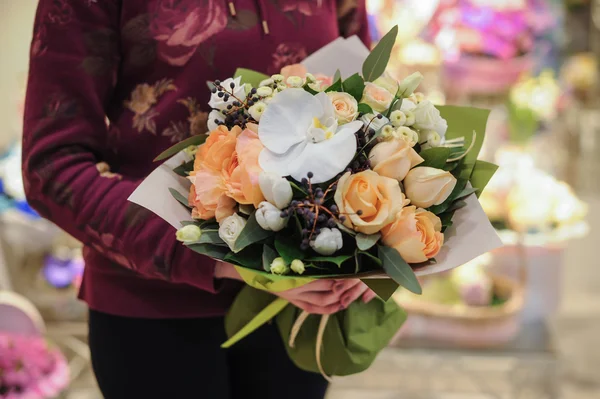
x: 315, y: 286
x: 368, y: 296
x: 323, y: 298
x: 342, y: 286
x: 353, y: 294
x: 315, y: 309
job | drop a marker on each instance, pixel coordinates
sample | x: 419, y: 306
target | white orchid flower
x: 301, y: 135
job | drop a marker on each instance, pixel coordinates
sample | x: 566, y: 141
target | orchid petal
x: 280, y: 163
x: 284, y: 122
x: 327, y: 158
x: 326, y: 106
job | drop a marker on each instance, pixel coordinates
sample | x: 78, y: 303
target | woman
x: 113, y: 83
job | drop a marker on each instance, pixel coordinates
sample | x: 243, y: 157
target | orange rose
x: 242, y: 176
x: 416, y: 234
x: 378, y: 199
x: 217, y: 149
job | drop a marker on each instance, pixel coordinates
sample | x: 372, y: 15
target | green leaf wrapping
x: 355, y: 85
x: 249, y: 76
x: 352, y: 338
x: 482, y: 173
x: 377, y: 61
x: 182, y: 145
x: 435, y: 157
x: 251, y: 234
x: 398, y: 269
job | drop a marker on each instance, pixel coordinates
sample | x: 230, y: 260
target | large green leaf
x: 398, y: 269
x: 435, y: 157
x: 377, y: 61
x: 482, y: 173
x: 180, y: 198
x: 355, y: 85
x: 268, y: 256
x: 182, y: 145
x: 212, y: 251
x: 249, y: 76
x: 365, y: 109
x: 288, y: 248
x: 338, y: 260
x: 251, y: 234
x: 184, y: 169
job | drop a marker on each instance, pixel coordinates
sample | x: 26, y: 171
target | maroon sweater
x: 112, y: 83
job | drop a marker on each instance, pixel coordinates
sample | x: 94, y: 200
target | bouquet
x: 342, y: 173
x: 29, y: 369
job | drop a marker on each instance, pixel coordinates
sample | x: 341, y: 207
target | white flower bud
x: 189, y: 233
x: 410, y: 118
x: 295, y: 81
x: 298, y: 266
x: 257, y: 110
x: 266, y: 82
x: 387, y: 132
x: 281, y: 87
x: 230, y: 229
x: 278, y: 78
x: 278, y: 266
x: 310, y: 78
x: 432, y: 138
x: 213, y: 117
x: 410, y: 84
x: 398, y: 118
x: 328, y: 242
x: 264, y: 91
x: 269, y: 217
x: 276, y: 189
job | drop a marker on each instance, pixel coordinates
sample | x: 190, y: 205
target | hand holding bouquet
x: 301, y: 179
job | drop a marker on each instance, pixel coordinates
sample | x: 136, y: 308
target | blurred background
x: 521, y: 322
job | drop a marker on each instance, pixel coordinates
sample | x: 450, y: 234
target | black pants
x: 182, y: 359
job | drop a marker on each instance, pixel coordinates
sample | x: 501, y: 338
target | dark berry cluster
x: 236, y: 113
x: 314, y: 211
x: 364, y: 141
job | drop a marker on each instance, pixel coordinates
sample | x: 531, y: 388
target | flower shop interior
x: 520, y: 322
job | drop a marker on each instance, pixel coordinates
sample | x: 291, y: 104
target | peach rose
x: 377, y: 198
x: 378, y: 98
x: 394, y: 158
x: 217, y: 149
x: 416, y: 234
x: 208, y: 196
x: 244, y: 171
x: 345, y: 106
x: 293, y: 70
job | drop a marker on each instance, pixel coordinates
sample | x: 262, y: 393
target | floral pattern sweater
x: 112, y: 83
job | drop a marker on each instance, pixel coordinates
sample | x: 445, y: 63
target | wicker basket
x: 466, y: 326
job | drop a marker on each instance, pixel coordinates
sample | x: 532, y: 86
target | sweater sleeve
x: 72, y: 76
x: 354, y: 20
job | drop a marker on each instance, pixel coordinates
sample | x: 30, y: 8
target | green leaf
x: 337, y: 260
x: 336, y: 86
x: 179, y: 197
x: 355, y: 85
x: 465, y: 193
x: 365, y: 242
x: 337, y: 75
x: 377, y: 61
x: 184, y: 169
x: 212, y: 251
x: 307, y: 88
x: 249, y: 257
x: 482, y: 173
x: 346, y: 229
x: 398, y: 269
x: 365, y: 109
x: 456, y: 205
x: 384, y: 288
x: 298, y: 189
x: 251, y: 234
x: 268, y: 256
x: 249, y: 76
x: 372, y: 257
x: 288, y: 248
x: 435, y: 157
x: 208, y: 237
x: 177, y: 148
